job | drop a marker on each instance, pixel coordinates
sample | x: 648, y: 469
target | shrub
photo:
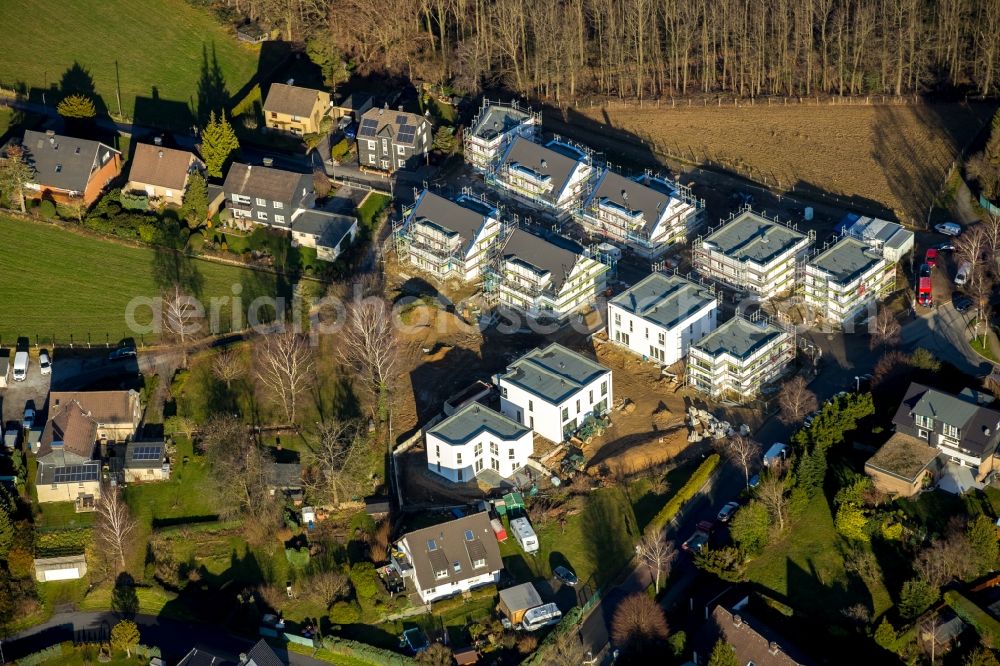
x: 297, y: 557
x: 134, y: 201
x: 885, y: 635
x: 52, y: 653
x: 345, y: 612
x: 363, y: 579
x: 677, y: 642
x: 685, y: 493
x: 47, y: 209
x: 361, y: 522
x: 340, y: 150
x: 365, y: 653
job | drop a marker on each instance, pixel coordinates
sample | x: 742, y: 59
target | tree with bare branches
x: 15, y: 173
x: 183, y: 316
x: 639, y: 627
x: 228, y: 366
x: 795, y: 401
x: 338, y: 462
x: 742, y: 451
x: 114, y: 526
x: 980, y: 288
x: 656, y: 553
x: 369, y: 346
x: 972, y: 247
x: 885, y: 330
x: 284, y: 365
x: 773, y: 493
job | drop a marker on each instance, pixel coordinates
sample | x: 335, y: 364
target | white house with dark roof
x: 550, y: 178
x: 450, y: 558
x: 661, y: 316
x: 751, y: 252
x: 450, y: 237
x: 891, y: 238
x: 553, y: 390
x: 475, y: 439
x: 646, y: 214
x: 494, y: 128
x: 552, y: 277
x: 390, y: 140
x: 739, y: 357
x: 845, y: 279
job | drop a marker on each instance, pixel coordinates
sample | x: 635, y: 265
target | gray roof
x: 754, y: 238
x: 553, y: 373
x: 440, y: 547
x: 64, y: 162
x: 328, y: 228
x: 267, y: 183
x: 544, y: 255
x: 400, y: 126
x: 979, y: 426
x: 846, y: 260
x: 498, y: 119
x: 556, y: 160
x: 463, y: 216
x: 633, y: 196
x: 291, y: 100
x: 473, y: 419
x: 261, y: 654
x: 284, y: 475
x: 664, y: 300
x: 52, y: 474
x: 144, y: 454
x: 738, y: 337
x: 520, y: 597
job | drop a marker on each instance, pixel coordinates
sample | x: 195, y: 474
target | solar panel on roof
x: 146, y: 453
x: 401, y: 120
x: 368, y: 127
x: 75, y: 473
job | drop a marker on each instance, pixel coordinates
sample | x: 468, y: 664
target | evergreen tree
x: 195, y: 206
x: 15, y: 173
x: 723, y: 654
x: 885, y: 635
x: 218, y: 144
x: 811, y: 471
x: 444, y: 140
x: 982, y: 535
x: 6, y: 532
x: 79, y: 107
x: 323, y: 52
x: 916, y: 596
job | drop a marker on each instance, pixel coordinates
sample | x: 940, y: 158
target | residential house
x: 739, y: 357
x: 67, y: 469
x: 904, y: 465
x: 846, y: 279
x: 753, y: 641
x: 752, y: 253
x: 117, y: 413
x: 295, y: 110
x: 330, y: 234
x: 552, y: 277
x: 69, y: 170
x: 161, y: 173
x: 475, y: 439
x: 960, y: 426
x: 646, y: 214
x: 390, y: 140
x: 450, y: 238
x: 352, y: 106
x: 889, y: 237
x: 554, y: 390
x: 450, y: 558
x: 143, y: 460
x: 493, y: 130
x: 550, y: 178
x: 261, y: 654
x: 661, y: 316
x: 284, y: 478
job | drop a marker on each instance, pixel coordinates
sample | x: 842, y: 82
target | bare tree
x: 772, y: 492
x: 991, y: 229
x: 369, y: 346
x: 284, y: 366
x: 565, y: 650
x: 742, y: 451
x: 885, y: 330
x: 115, y: 526
x: 638, y: 625
x: 795, y: 400
x: 973, y: 246
x: 327, y: 587
x: 183, y: 316
x: 657, y: 554
x: 228, y: 366
x: 980, y: 288
x: 15, y: 173
x: 337, y: 461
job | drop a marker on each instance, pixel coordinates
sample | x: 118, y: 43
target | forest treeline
x: 562, y: 49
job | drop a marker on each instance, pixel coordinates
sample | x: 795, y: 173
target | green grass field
x: 54, y: 282
x: 157, y: 43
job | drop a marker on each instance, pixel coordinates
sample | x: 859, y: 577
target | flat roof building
x: 739, y: 357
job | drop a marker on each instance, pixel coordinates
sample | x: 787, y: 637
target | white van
x: 20, y: 366
x: 962, y: 276
x: 525, y: 536
x: 777, y: 453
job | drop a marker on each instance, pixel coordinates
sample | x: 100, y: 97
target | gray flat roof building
x: 846, y: 260
x: 664, y: 300
x: 751, y: 237
x: 468, y: 422
x: 738, y: 337
x: 553, y: 373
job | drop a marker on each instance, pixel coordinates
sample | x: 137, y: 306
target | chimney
x: 737, y: 621
x: 160, y: 154
x: 50, y: 132
x: 268, y: 161
x: 773, y: 648
x: 158, y: 141
x: 400, y: 107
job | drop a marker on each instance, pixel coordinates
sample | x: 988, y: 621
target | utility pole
x: 118, y: 89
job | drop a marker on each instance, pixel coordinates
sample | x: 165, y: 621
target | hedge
x: 365, y: 652
x: 686, y: 492
x: 984, y: 623
x: 51, y: 653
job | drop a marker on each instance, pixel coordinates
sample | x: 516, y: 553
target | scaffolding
x: 472, y: 140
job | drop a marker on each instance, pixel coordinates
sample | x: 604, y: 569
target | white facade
x: 661, y: 316
x: 551, y: 178
x: 738, y: 358
x: 553, y: 390
x: 843, y: 280
x: 476, y: 439
x: 494, y: 128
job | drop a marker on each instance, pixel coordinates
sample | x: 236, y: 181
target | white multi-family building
x: 449, y: 238
x: 475, y: 439
x: 550, y: 178
x: 844, y: 279
x: 646, y: 214
x: 752, y: 253
x: 889, y: 237
x: 553, y: 390
x: 552, y: 277
x: 739, y: 357
x: 493, y: 130
x: 661, y: 316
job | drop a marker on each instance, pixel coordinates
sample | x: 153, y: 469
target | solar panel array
x: 368, y: 127
x: 75, y: 473
x: 146, y: 453
x: 407, y: 133
x: 401, y: 120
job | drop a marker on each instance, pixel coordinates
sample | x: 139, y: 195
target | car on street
x: 726, y: 514
x: 930, y: 258
x: 44, y: 362
x: 122, y: 353
x: 29, y: 415
x: 700, y: 538
x: 960, y: 301
x: 948, y: 228
x: 946, y: 246
x: 962, y: 276
x: 808, y: 420
x: 925, y: 270
x: 565, y: 576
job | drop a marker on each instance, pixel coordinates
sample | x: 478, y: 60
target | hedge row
x: 365, y: 652
x: 51, y: 653
x: 686, y: 492
x: 984, y: 623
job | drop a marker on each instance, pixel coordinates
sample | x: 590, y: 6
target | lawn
x: 62, y: 515
x: 6, y: 115
x: 982, y: 348
x: 187, y: 495
x: 158, y: 47
x: 54, y: 282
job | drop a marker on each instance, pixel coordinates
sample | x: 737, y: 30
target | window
x: 261, y: 202
x: 590, y: 396
x: 239, y: 198
x: 385, y: 145
x: 531, y: 405
x: 604, y: 388
x: 531, y: 422
x: 503, y: 391
x: 278, y: 205
x: 922, y: 434
x: 371, y: 145
x: 924, y: 422
x: 630, y: 327
x: 59, y: 168
x: 400, y: 150
x: 479, y: 466
x: 477, y: 450
x: 494, y: 449
x: 279, y: 219
x: 401, y: 163
x: 510, y: 454
x: 461, y: 475
x: 437, y: 450
x: 565, y: 413
x: 495, y: 464
x: 261, y: 215
x: 661, y: 338
x: 950, y: 431
x: 457, y: 567
x: 618, y: 319
x: 577, y: 405
x: 458, y: 458
x: 443, y: 573
x: 371, y: 159
x: 478, y: 564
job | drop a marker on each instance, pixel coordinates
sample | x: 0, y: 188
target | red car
x: 924, y: 296
x: 931, y: 257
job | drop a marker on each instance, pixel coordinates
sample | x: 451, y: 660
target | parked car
x: 351, y: 131
x: 776, y: 454
x: 962, y: 276
x: 925, y: 270
x: 948, y: 228
x: 700, y: 538
x: 565, y: 576
x: 960, y: 301
x: 122, y: 353
x: 29, y: 415
x: 930, y: 258
x: 44, y: 363
x: 946, y: 246
x: 726, y: 514
x: 754, y: 481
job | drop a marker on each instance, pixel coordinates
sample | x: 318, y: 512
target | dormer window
x: 457, y: 566
x: 443, y: 573
x: 950, y: 431
x: 478, y: 564
x: 59, y: 168
x: 924, y: 422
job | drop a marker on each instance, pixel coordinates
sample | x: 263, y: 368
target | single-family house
x: 69, y: 170
x: 161, y: 173
x: 352, y: 106
x: 450, y: 558
x: 290, y: 109
x: 550, y: 277
x: 753, y: 641
x: 67, y: 469
x: 960, y: 426
x: 330, y: 234
x: 550, y: 178
x: 645, y: 214
x: 391, y: 140
x: 494, y: 128
x: 261, y: 654
x: 846, y: 279
x: 117, y: 413
x: 751, y: 252
x: 553, y: 391
x: 739, y: 357
x: 450, y: 237
x: 904, y: 465
x: 265, y: 195
x: 475, y: 439
x: 891, y: 238
x: 661, y: 316
x: 284, y: 478
x: 144, y: 460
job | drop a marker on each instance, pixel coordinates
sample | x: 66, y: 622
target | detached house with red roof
x: 161, y: 173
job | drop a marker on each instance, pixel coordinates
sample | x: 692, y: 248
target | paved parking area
x: 35, y: 387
